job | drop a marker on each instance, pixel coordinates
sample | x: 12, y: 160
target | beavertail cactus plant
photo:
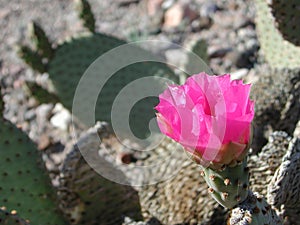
x: 215, y: 129
x: 189, y: 113
x: 205, y: 124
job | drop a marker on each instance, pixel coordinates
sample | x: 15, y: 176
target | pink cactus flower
x: 210, y: 116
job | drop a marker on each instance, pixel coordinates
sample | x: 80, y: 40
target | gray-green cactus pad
x: 71, y: 60
x: 287, y: 17
x: 278, y: 52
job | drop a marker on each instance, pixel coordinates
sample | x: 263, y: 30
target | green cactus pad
x: 287, y: 17
x: 40, y: 40
x: 72, y: 59
x: 229, y: 185
x: 254, y: 211
x: 278, y: 52
x: 24, y: 187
